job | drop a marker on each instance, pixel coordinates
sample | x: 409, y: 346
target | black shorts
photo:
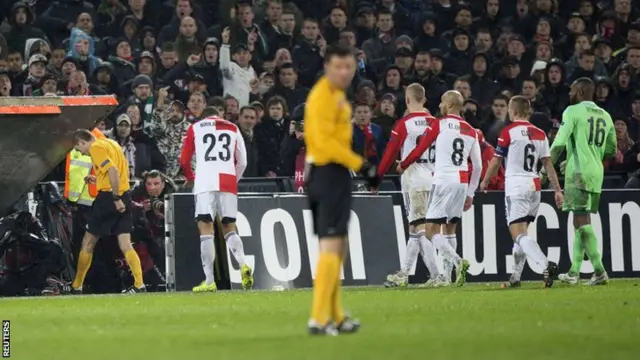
x: 105, y: 220
x: 329, y: 193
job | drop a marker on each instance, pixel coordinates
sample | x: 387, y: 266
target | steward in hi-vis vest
x: 78, y: 167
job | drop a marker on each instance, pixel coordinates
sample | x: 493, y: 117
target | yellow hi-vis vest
x: 76, y: 190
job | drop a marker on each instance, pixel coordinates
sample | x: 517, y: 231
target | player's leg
x: 228, y: 208
x: 589, y: 239
x: 447, y: 265
x: 97, y: 226
x: 450, y: 210
x: 123, y: 229
x: 204, y: 218
x: 400, y: 278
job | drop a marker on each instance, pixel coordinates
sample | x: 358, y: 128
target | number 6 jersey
x: 221, y: 156
x: 522, y: 145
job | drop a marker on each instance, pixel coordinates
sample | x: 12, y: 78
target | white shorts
x: 446, y: 203
x: 415, y: 205
x: 522, y: 207
x: 216, y: 203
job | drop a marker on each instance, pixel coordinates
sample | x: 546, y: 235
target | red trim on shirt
x: 431, y: 133
x: 188, y: 149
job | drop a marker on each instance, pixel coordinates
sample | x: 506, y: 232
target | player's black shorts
x: 329, y: 193
x: 105, y: 220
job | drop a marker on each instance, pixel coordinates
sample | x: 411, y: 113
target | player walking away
x: 111, y: 209
x: 416, y: 182
x: 523, y: 144
x: 452, y: 192
x: 589, y: 137
x: 328, y: 134
x: 221, y: 159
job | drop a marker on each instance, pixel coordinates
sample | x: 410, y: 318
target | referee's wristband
x: 116, y: 197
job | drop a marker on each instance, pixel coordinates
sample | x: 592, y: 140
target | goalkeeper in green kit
x: 588, y: 135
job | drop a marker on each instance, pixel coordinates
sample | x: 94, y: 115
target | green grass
x: 475, y: 322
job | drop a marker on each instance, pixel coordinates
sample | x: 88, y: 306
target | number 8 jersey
x: 522, y: 144
x: 221, y: 156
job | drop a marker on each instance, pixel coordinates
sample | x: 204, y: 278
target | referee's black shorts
x: 105, y: 220
x: 329, y: 193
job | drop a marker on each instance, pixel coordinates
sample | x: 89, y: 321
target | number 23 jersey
x: 522, y: 145
x: 220, y: 152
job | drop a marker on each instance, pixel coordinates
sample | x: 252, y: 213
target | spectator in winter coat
x: 624, y: 93
x: 556, y: 91
x: 604, y: 94
x: 604, y: 51
x: 269, y: 135
x: 483, y: 87
x: 237, y: 76
x: 391, y: 83
x: 308, y: 53
x: 36, y: 71
x: 433, y: 85
x: 141, y: 151
x: 381, y: 48
x: 186, y: 42
x: 82, y: 49
x: 171, y: 31
x: 427, y: 38
x: 123, y: 67
x: 247, y: 121
x: 287, y: 87
x: 492, y: 126
x: 368, y: 139
x: 21, y: 20
x: 103, y: 78
x: 633, y: 122
x: 365, y: 22
x: 530, y: 91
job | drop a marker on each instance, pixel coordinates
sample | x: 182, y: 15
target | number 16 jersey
x: 221, y: 156
x: 522, y: 144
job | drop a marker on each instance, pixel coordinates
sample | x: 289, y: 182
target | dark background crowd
x: 255, y: 61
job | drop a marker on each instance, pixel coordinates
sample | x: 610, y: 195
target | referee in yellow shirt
x: 111, y: 209
x: 328, y: 135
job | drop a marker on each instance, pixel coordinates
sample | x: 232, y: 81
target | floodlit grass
x: 479, y: 321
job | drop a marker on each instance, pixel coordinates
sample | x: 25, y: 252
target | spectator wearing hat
x: 516, y: 48
x: 437, y: 67
x: 382, y: 47
x: 140, y: 150
x: 5, y: 83
x: 556, y: 91
x: 287, y: 86
x: 366, y: 93
x: 48, y: 86
x: 386, y: 114
x: 148, y: 40
x: 604, y: 53
x: 69, y: 66
x: 510, y: 77
x: 365, y: 23
x: 308, y: 53
x: 123, y: 67
x: 103, y: 78
x: 482, y: 85
x: 81, y: 48
x: 404, y: 60
x: 147, y: 64
x: 458, y: 60
x: 36, y: 70
x: 168, y: 128
x: 259, y: 106
x: 238, y: 75
x: 142, y: 88
x: 427, y: 37
x: 21, y: 20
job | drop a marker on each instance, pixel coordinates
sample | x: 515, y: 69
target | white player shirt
x: 456, y: 142
x: 221, y: 156
x: 522, y: 145
x: 405, y: 136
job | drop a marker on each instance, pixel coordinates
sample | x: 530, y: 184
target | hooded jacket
x: 87, y: 63
x: 557, y: 96
x: 18, y: 34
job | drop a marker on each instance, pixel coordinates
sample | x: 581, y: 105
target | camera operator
x: 149, y: 198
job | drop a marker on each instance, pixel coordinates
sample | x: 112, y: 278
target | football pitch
x: 478, y: 321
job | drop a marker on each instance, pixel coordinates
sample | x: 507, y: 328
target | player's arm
x: 611, y: 144
x: 564, y: 133
x: 104, y: 165
x: 430, y: 135
x: 494, y: 165
x: 320, y: 129
x: 398, y: 135
x: 476, y: 161
x: 188, y: 149
x: 240, y: 156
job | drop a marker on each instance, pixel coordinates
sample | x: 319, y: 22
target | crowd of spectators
x: 167, y: 60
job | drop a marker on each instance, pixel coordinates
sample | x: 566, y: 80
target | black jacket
x: 17, y: 36
x: 308, y: 63
x: 252, y: 155
x: 289, y: 150
x: 294, y: 97
x: 268, y: 136
x: 59, y: 15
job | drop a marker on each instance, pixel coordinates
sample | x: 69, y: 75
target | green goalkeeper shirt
x: 588, y: 134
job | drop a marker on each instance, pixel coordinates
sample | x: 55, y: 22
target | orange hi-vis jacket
x: 78, y: 167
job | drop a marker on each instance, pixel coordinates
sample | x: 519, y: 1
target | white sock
x: 235, y: 245
x: 413, y: 248
x: 519, y: 259
x: 447, y: 265
x: 446, y: 250
x: 208, y: 256
x: 532, y: 249
x: 428, y: 255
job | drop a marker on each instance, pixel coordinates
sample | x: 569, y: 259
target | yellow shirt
x: 105, y: 154
x: 328, y: 132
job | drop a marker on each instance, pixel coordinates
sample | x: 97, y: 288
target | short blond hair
x: 416, y: 92
x: 521, y: 106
